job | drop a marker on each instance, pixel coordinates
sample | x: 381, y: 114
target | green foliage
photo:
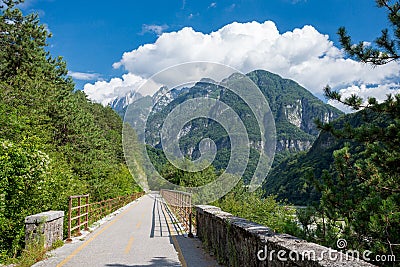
x: 359, y: 180
x: 292, y: 177
x: 54, y: 141
x: 57, y: 244
x: 31, y: 182
x: 362, y: 189
x: 354, y: 165
x: 306, y: 218
x: 188, y: 178
x: 22, y: 173
x: 263, y: 210
x: 34, y: 253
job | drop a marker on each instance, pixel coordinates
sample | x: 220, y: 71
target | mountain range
x: 293, y: 107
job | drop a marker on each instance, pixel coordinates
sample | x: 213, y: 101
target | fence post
x: 69, y: 219
x: 190, y: 225
x: 190, y: 216
x: 79, y: 215
x: 81, y: 211
x: 87, y: 213
x: 181, y: 205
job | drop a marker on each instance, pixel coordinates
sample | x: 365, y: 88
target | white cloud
x: 212, y: 5
x: 157, y: 29
x: 303, y: 54
x: 379, y: 92
x: 105, y: 92
x: 83, y: 76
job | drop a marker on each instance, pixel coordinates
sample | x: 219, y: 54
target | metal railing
x: 181, y: 205
x: 81, y: 213
x: 76, y: 212
x: 102, y: 208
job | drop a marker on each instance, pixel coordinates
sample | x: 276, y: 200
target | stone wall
x: 48, y: 225
x: 239, y: 242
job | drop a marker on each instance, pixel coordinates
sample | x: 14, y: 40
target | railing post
x: 69, y: 218
x: 181, y: 205
x: 79, y: 215
x: 190, y: 225
x: 81, y: 212
x: 190, y: 216
x: 87, y: 213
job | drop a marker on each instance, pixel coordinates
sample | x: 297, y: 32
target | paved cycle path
x: 144, y: 233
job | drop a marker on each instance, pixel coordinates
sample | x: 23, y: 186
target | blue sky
x: 93, y: 35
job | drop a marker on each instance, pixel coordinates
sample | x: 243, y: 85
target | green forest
x: 54, y: 142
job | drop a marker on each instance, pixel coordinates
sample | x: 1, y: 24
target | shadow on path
x: 157, y: 261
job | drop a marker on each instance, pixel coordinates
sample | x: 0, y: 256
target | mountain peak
x: 207, y: 80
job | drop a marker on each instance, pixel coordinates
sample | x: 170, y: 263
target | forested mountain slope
x: 294, y: 109
x: 294, y: 178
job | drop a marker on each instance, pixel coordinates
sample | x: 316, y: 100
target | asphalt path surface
x: 143, y: 233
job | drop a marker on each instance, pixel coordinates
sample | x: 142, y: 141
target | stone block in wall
x: 47, y: 225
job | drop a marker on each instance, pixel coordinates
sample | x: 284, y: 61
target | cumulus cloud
x: 157, y: 29
x: 303, y: 54
x: 379, y: 92
x: 105, y: 92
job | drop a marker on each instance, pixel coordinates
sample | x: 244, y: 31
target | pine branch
x: 386, y: 50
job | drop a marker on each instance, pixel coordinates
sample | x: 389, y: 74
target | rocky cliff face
x: 292, y: 145
x: 324, y: 114
x: 294, y: 113
x: 302, y: 115
x: 295, y: 110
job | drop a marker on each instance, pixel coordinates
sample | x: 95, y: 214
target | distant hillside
x: 294, y: 109
x: 291, y: 178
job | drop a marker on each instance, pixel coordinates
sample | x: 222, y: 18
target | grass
x: 34, y: 252
x: 58, y: 243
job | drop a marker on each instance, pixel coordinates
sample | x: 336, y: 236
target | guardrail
x: 181, y: 205
x: 99, y: 209
x: 76, y: 212
x: 81, y: 213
